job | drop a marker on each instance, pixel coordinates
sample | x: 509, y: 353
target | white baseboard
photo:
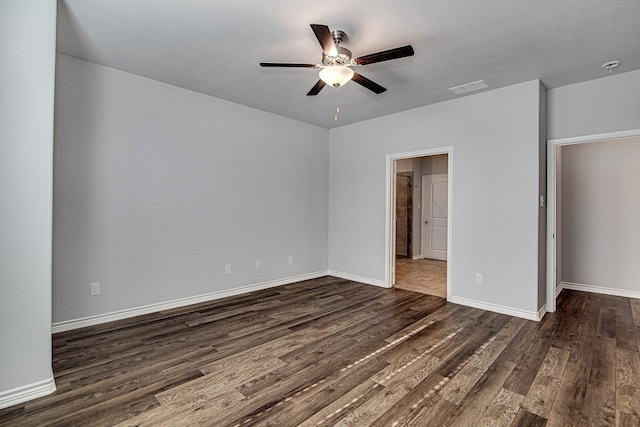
x: 559, y: 288
x: 542, y: 311
x: 356, y: 278
x: 28, y: 392
x: 598, y: 290
x: 529, y: 315
x: 68, y: 325
x: 419, y: 256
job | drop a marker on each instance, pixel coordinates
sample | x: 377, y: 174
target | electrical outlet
x: 227, y: 269
x: 258, y: 265
x: 479, y: 278
x: 290, y: 259
x: 95, y: 288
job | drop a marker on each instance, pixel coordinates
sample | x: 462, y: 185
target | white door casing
x: 390, y: 209
x: 435, y: 216
x: 394, y: 168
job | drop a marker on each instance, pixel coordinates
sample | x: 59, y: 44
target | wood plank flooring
x: 330, y: 352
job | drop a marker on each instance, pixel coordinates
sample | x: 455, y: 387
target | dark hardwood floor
x: 333, y: 352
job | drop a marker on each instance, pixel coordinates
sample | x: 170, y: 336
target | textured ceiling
x: 214, y: 47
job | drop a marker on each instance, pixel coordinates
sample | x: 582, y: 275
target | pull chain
x: 337, y: 108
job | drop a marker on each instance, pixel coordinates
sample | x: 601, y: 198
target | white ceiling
x: 214, y: 47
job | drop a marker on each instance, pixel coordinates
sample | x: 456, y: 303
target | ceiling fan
x: 337, y: 61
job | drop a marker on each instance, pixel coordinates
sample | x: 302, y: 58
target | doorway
x: 554, y: 203
x: 421, y: 262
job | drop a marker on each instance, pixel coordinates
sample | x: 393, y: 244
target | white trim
x: 356, y: 278
x: 529, y: 315
x: 68, y: 325
x: 419, y: 256
x: 389, y: 250
x: 551, y: 292
x: 542, y: 312
x: 632, y: 133
x: 600, y: 290
x: 27, y: 392
x: 559, y: 288
x: 552, y: 144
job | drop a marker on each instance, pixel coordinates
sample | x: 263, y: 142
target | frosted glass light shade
x: 336, y: 75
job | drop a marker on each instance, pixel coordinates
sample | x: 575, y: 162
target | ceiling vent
x: 469, y: 87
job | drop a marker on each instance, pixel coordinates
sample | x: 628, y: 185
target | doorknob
x: 426, y: 222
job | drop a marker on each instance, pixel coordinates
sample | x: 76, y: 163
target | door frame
x: 422, y: 218
x: 552, y: 148
x: 390, y: 205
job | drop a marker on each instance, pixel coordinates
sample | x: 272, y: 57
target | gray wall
x: 604, y: 105
x: 600, y: 205
x: 495, y: 182
x: 27, y: 49
x: 156, y: 188
x: 609, y: 104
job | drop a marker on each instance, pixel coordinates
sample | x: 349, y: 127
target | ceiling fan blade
x: 316, y: 88
x: 286, y: 64
x: 323, y: 34
x: 386, y: 55
x: 372, y: 86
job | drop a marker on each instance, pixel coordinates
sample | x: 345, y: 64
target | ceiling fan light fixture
x: 336, y: 75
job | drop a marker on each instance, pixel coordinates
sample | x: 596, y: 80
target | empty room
x: 360, y: 213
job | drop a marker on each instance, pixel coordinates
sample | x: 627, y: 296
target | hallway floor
x: 427, y: 276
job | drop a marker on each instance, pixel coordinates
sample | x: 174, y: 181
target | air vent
x: 469, y: 87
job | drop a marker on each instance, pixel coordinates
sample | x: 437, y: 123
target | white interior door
x: 434, y: 216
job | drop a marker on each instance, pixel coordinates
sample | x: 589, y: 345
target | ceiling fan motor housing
x: 338, y: 36
x: 342, y: 58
